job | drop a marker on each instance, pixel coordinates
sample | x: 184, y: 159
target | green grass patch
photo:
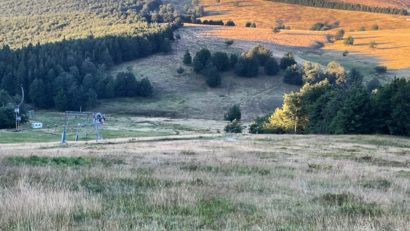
x: 381, y: 184
x: 139, y: 183
x: 320, y: 166
x: 227, y: 170
x: 350, y: 204
x: 60, y: 161
x: 404, y: 174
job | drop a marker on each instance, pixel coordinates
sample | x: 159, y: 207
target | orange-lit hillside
x: 393, y: 37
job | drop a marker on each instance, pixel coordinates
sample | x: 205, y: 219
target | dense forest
x: 24, y: 22
x: 336, y: 102
x: 72, y: 73
x: 346, y: 6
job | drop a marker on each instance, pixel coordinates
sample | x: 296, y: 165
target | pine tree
x: 271, y: 67
x: 187, y: 58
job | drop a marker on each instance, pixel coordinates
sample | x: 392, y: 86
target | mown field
x: 222, y: 183
x: 391, y: 38
x: 117, y: 126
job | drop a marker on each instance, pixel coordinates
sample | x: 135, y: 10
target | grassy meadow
x: 222, y: 183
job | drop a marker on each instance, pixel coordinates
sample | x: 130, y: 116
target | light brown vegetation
x: 236, y: 182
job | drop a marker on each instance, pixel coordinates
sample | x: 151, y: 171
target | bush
x: 234, y: 113
x: 271, y: 67
x: 362, y: 28
x: 233, y: 127
x: 250, y: 24
x: 145, y: 88
x: 373, y: 84
x: 213, y: 78
x: 187, y: 58
x: 322, y: 26
x: 201, y: 59
x: 180, y: 70
x: 373, y: 44
x: 230, y: 23
x: 7, y: 118
x: 247, y: 67
x: 259, y: 52
x: 375, y: 27
x: 380, y: 69
x: 293, y: 76
x: 229, y: 42
x: 349, y: 41
x: 221, y: 61
x: 340, y: 34
x: 233, y: 60
x: 287, y: 61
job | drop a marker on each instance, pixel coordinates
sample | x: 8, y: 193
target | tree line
x: 73, y: 73
x: 336, y: 102
x: 346, y: 6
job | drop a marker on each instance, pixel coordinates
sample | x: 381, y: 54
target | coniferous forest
x: 346, y: 6
x: 72, y: 73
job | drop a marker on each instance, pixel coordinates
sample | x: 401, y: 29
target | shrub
x: 180, y: 70
x: 187, y: 58
x: 373, y: 44
x: 230, y: 23
x: 250, y: 24
x: 233, y: 60
x: 213, y: 78
x: 221, y: 61
x: 362, y: 28
x: 345, y: 53
x: 375, y: 27
x: 259, y: 52
x: 233, y: 127
x: 234, y: 113
x: 271, y: 67
x: 247, y: 67
x: 145, y: 88
x: 7, y: 118
x: 373, y: 84
x: 201, y: 59
x: 229, y: 42
x: 293, y: 76
x: 349, y: 41
x: 340, y: 34
x: 380, y: 69
x: 287, y: 61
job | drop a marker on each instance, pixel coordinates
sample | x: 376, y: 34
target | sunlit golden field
x: 286, y: 37
x: 393, y: 37
x: 392, y: 46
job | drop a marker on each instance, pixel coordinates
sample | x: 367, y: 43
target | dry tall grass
x: 231, y: 183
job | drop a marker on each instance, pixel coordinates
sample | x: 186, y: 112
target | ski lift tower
x: 90, y: 119
x: 17, y: 110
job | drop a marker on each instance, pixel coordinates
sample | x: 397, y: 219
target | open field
x: 392, y: 37
x: 226, y: 183
x: 392, y: 46
x: 116, y: 126
x: 265, y: 14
